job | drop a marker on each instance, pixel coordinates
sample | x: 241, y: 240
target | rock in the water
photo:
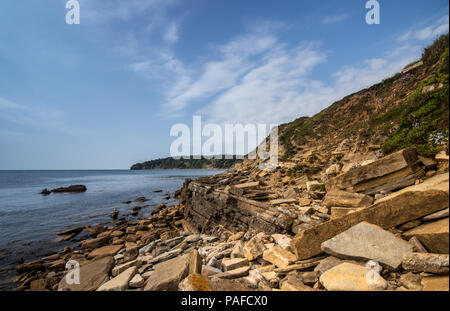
x: 393, y: 210
x: 351, y: 277
x: 167, y: 275
x: 45, y: 192
x: 92, y: 275
x: 120, y: 282
x: 426, y: 262
x: 433, y: 235
x: 72, y: 188
x: 368, y: 242
x: 346, y: 199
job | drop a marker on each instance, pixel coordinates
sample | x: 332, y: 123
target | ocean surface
x: 29, y: 221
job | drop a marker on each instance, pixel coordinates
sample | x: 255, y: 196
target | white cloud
x: 429, y: 32
x: 171, y: 35
x: 334, y: 18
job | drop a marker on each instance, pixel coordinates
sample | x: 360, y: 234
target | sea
x: 30, y: 221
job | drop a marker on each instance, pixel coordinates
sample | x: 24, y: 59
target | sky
x: 104, y: 94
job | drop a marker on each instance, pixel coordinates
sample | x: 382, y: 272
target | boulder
x: 167, y: 275
x: 294, y: 283
x: 283, y: 241
x: 238, y: 250
x: 395, y: 209
x: 346, y: 199
x: 195, y: 282
x: 395, y: 171
x: 337, y: 212
x: 137, y: 281
x: 433, y: 235
x: 426, y: 262
x: 195, y: 264
x: 94, y: 243
x: 365, y: 241
x: 120, y: 282
x: 233, y: 274
x: 120, y: 268
x: 109, y: 250
x: 231, y: 264
x: 92, y: 275
x: 279, y: 256
x: 72, y: 188
x: 253, y: 249
x: 351, y: 277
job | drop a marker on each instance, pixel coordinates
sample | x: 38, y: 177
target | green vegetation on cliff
x: 191, y: 163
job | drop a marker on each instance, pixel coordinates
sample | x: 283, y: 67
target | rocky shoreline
x: 380, y: 226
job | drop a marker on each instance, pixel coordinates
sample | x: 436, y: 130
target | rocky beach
x: 359, y: 201
x: 248, y: 229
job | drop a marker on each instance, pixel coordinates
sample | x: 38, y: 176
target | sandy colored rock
x: 167, y: 275
x: 92, y: 275
x: 346, y: 199
x: 391, y: 211
x: 279, y: 257
x: 433, y: 235
x: 294, y: 283
x: 195, y: 263
x: 351, y: 277
x: 195, y: 282
x: 426, y: 262
x: 253, y: 249
x: 94, y: 243
x: 109, y: 250
x: 233, y: 274
x: 368, y: 242
x: 337, y: 212
x: 137, y: 281
x: 395, y: 171
x: 231, y: 264
x: 120, y: 282
x: 435, y: 283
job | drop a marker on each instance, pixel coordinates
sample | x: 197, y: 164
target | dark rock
x: 72, y: 188
x: 45, y: 192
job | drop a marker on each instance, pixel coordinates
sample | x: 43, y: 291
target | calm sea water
x: 29, y: 221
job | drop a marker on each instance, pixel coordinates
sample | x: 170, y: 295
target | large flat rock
x: 368, y: 242
x: 109, y: 250
x: 120, y: 282
x: 351, y: 277
x: 92, y: 275
x: 433, y: 235
x: 392, y: 211
x: 389, y: 173
x: 168, y: 274
x: 346, y: 199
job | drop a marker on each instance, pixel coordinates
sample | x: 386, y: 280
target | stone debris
x: 368, y: 242
x: 368, y: 228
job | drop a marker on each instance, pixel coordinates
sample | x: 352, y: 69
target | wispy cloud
x: 429, y: 32
x: 334, y: 18
x: 41, y: 117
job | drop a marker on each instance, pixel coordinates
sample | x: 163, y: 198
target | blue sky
x: 105, y: 93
